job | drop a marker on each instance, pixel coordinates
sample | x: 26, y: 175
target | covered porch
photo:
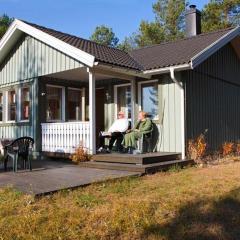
x: 76, y: 104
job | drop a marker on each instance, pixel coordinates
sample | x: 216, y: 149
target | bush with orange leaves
x: 237, y: 149
x: 228, y: 149
x: 197, y: 148
x: 80, y: 155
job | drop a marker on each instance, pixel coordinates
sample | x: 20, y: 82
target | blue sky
x: 80, y: 17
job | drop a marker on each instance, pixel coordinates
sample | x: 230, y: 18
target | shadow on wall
x: 202, y: 220
x: 155, y: 137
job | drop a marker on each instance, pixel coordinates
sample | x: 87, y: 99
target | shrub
x: 197, y: 148
x: 237, y: 149
x: 80, y: 155
x: 228, y: 149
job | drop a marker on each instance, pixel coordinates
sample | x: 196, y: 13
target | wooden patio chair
x: 19, y: 148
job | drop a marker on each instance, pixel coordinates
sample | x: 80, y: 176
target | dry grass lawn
x: 190, y: 204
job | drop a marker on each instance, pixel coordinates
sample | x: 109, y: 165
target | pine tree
x: 5, y: 22
x: 105, y: 35
x: 220, y: 14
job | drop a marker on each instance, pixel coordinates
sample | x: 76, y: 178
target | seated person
x: 143, y: 126
x: 115, y: 132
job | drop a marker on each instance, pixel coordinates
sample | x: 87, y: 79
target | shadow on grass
x: 203, y: 219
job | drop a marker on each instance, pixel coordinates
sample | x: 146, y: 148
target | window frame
x: 7, y: 105
x: 3, y: 106
x: 140, y: 107
x: 116, y: 98
x: 82, y: 90
x: 63, y: 96
x: 19, y: 107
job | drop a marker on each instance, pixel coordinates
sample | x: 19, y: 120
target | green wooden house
x: 61, y: 89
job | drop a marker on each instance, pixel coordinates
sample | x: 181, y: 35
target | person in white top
x: 115, y: 132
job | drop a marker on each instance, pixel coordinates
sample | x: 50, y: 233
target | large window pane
x: 74, y: 105
x: 25, y: 103
x: 54, y: 103
x: 12, y: 105
x: 124, y: 100
x: 150, y: 99
x: 1, y: 107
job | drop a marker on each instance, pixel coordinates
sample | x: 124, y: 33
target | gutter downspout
x: 180, y: 85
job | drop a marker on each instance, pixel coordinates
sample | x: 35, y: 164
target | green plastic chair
x: 19, y: 148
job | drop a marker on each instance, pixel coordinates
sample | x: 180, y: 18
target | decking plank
x: 140, y: 168
x: 146, y: 158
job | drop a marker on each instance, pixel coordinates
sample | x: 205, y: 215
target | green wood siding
x: 213, y: 98
x: 26, y: 62
x: 170, y: 112
x: 15, y: 130
x: 31, y: 58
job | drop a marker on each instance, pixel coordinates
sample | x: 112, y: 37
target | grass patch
x: 195, y: 203
x: 88, y: 200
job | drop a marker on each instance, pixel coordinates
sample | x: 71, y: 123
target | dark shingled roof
x: 176, y: 52
x: 153, y: 57
x: 101, y: 52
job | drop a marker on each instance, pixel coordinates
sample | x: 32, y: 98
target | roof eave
x: 163, y: 70
x: 69, y: 50
x: 121, y: 70
x: 215, y: 46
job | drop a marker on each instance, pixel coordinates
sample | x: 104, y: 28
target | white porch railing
x: 65, y: 137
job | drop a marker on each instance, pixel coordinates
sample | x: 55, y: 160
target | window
x: 149, y: 99
x: 74, y: 103
x: 54, y: 103
x: 124, y: 99
x: 1, y: 107
x: 25, y: 103
x: 12, y: 105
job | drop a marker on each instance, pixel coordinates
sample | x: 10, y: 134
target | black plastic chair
x: 19, y: 148
x: 145, y: 142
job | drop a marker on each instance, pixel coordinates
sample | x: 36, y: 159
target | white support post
x: 133, y: 101
x: 92, y: 111
x: 83, y: 104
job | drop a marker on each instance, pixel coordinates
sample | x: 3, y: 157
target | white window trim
x: 7, y: 107
x: 19, y: 106
x: 63, y: 109
x: 140, y: 93
x: 3, y: 107
x: 83, y: 94
x: 115, y: 97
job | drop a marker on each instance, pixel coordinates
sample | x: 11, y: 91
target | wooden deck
x: 146, y: 158
x: 141, y: 163
x: 49, y: 176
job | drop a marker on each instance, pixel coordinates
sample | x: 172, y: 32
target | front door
x: 100, y: 99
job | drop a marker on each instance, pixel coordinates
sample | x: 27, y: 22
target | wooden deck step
x: 140, y: 168
x: 146, y: 158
